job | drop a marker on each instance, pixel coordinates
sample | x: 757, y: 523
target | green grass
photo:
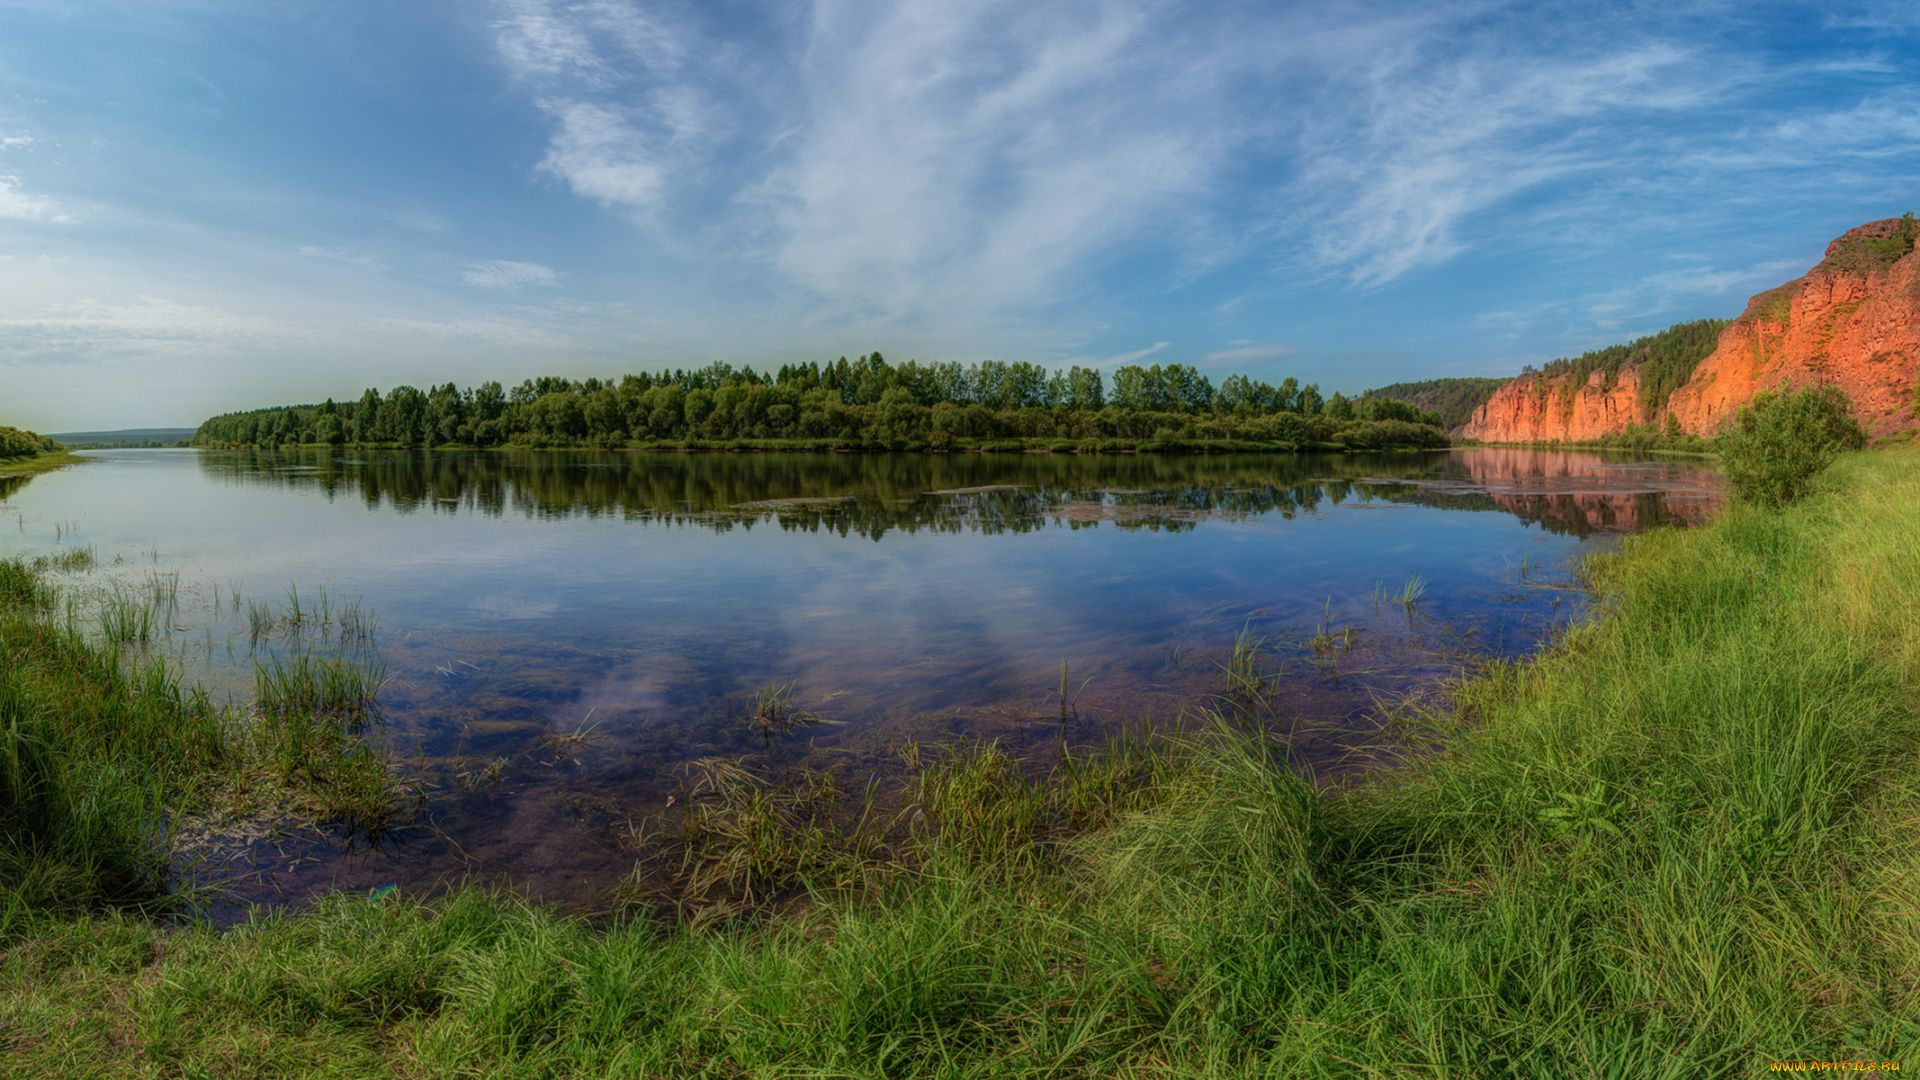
x: 101, y: 749
x: 1682, y: 842
x: 28, y: 466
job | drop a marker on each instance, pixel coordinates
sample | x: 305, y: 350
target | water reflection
x: 1576, y: 493
x: 648, y: 597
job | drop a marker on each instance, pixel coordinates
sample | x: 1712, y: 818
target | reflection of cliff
x: 870, y: 495
x: 1586, y: 493
x: 1584, y: 515
x: 1569, y: 492
x: 1852, y: 321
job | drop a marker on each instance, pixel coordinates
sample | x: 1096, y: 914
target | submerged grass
x: 1683, y: 842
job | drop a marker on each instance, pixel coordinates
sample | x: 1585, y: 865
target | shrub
x: 1866, y: 254
x: 17, y: 443
x: 1779, y: 442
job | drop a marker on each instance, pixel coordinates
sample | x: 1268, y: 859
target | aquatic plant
x: 300, y: 682
x: 567, y: 745
x: 1242, y: 685
x: 260, y: 619
x: 293, y: 617
x: 125, y: 618
x: 72, y: 560
x: 472, y: 779
x: 775, y: 711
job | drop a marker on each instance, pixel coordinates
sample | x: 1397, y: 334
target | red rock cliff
x: 1853, y: 321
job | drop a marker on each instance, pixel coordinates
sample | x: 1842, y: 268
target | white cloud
x: 20, y: 206
x: 502, y: 274
x: 9, y: 142
x: 607, y: 72
x: 601, y: 155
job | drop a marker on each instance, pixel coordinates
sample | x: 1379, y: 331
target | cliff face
x: 1852, y: 321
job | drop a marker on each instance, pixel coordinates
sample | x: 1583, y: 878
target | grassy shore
x: 39, y: 463
x: 1683, y: 842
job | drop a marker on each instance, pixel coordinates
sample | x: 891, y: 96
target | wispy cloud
x: 919, y: 166
x: 146, y: 327
x: 1135, y: 355
x: 1251, y: 356
x: 21, y: 206
x: 1435, y: 130
x: 630, y: 123
x: 499, y: 331
x: 502, y: 274
x: 338, y: 255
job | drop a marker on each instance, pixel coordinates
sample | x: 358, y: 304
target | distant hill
x: 1452, y: 400
x: 158, y: 436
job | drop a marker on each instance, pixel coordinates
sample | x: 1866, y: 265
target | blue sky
x: 208, y: 205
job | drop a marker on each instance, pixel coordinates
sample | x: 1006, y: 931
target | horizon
x: 206, y: 207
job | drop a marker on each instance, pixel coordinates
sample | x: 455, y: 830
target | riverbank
x: 27, y: 466
x: 1678, y: 843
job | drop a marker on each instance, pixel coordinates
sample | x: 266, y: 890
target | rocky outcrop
x: 1853, y: 321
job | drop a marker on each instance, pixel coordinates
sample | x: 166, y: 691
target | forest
x: 1664, y: 360
x: 1452, y: 401
x: 867, y: 403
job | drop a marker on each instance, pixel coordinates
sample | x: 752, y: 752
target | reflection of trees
x: 11, y: 484
x: 869, y: 494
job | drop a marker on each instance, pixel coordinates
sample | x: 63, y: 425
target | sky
x: 209, y: 205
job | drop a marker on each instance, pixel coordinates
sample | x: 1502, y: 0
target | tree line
x: 863, y: 403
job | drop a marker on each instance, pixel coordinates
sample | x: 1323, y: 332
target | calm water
x: 649, y: 597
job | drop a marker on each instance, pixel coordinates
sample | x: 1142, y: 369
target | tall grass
x: 1684, y: 842
x: 313, y: 722
x: 99, y: 750
x: 89, y: 748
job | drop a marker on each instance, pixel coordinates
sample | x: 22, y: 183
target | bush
x: 1779, y: 442
x: 17, y: 443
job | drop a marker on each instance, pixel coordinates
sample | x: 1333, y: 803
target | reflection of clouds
x: 644, y: 683
x: 509, y: 608
x: 927, y: 630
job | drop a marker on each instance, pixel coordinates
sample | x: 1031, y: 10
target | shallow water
x: 645, y: 598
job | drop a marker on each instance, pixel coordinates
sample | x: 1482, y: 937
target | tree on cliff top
x: 1778, y: 443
